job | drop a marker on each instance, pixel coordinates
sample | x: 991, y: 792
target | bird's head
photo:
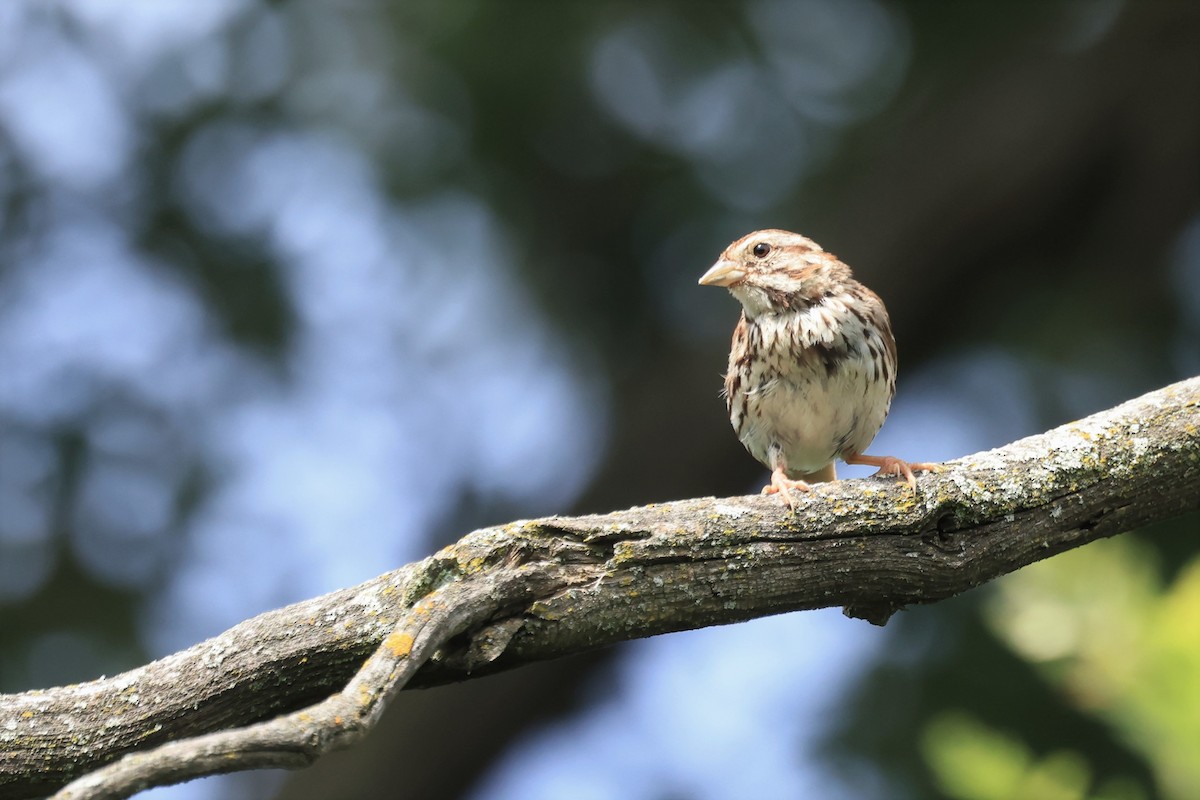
x: 772, y: 271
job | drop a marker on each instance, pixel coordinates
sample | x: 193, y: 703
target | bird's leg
x: 890, y: 465
x: 782, y: 485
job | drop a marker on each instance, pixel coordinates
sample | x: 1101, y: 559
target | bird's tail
x: 826, y: 473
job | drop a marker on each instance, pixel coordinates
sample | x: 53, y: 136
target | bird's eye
x: 761, y: 249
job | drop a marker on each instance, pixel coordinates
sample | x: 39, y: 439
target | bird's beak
x: 722, y: 273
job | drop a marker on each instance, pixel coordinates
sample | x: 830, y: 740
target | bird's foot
x: 782, y: 485
x: 890, y: 465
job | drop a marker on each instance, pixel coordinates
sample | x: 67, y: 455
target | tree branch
x: 259, y: 694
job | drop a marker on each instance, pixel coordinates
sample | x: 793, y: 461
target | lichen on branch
x: 289, y: 685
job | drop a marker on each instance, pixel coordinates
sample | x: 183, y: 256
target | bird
x: 812, y: 367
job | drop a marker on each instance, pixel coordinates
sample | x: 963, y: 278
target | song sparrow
x: 812, y: 370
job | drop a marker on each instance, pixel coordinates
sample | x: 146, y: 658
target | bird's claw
x: 782, y: 485
x: 902, y: 469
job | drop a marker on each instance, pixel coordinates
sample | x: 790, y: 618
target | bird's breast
x: 811, y: 382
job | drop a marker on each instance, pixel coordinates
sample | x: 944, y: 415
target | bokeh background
x: 293, y: 293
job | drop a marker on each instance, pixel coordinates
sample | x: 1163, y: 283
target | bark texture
x: 287, y: 686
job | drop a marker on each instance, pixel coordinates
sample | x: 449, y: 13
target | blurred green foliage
x: 1119, y: 643
x: 974, y: 762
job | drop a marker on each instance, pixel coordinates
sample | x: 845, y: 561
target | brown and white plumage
x: 812, y: 369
